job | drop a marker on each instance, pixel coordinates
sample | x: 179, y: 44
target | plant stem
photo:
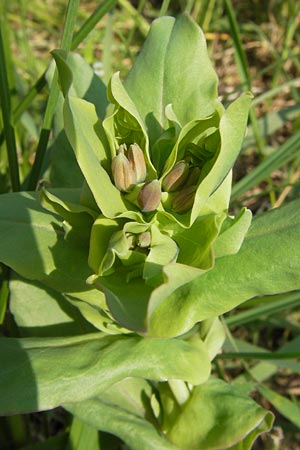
x: 180, y: 391
x: 66, y: 43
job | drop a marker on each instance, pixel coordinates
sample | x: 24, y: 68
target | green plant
x: 151, y: 264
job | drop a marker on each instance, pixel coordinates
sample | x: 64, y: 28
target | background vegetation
x: 254, y: 44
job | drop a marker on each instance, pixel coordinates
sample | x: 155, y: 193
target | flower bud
x: 136, y: 158
x: 123, y: 175
x: 176, y: 178
x: 144, y: 239
x: 184, y: 199
x: 194, y: 176
x: 149, y: 196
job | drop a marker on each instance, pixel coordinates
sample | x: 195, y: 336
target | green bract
x: 158, y: 171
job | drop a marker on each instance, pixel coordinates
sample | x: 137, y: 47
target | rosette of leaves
x: 146, y: 251
x: 157, y: 174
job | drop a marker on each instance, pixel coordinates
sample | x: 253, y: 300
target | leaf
x: 40, y: 311
x: 195, y: 243
x: 232, y: 130
x: 217, y: 416
x: 267, y: 263
x: 80, y: 121
x: 33, y: 244
x: 172, y: 68
x: 232, y: 234
x: 135, y: 431
x: 57, y: 370
x: 64, y: 170
x: 78, y: 216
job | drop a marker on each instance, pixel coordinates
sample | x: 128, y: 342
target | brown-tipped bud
x: 194, y: 176
x: 183, y: 200
x: 137, y: 160
x: 123, y: 175
x: 176, y: 178
x: 144, y: 239
x: 149, y: 196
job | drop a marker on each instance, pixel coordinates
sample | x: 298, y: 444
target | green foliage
x: 120, y: 276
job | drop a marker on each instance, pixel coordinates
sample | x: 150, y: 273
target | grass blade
x: 283, y: 155
x: 286, y: 407
x: 259, y: 355
x: 86, y: 28
x: 286, y: 301
x: 8, y: 129
x: 243, y: 68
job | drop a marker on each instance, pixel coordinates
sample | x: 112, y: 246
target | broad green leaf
x: 79, y: 217
x: 267, y: 263
x: 79, y: 77
x: 59, y: 370
x: 136, y: 432
x: 127, y: 299
x: 64, y: 169
x: 172, y: 68
x: 33, y: 244
x: 80, y: 122
x: 217, y: 416
x: 43, y: 312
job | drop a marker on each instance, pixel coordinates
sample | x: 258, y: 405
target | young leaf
x: 173, y: 68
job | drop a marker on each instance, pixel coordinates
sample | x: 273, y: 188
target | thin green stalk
x: 284, y: 154
x: 8, y: 129
x: 290, y: 300
x: 164, y: 8
x: 66, y: 43
x: 272, y: 92
x: 92, y: 21
x: 259, y: 355
x: 132, y: 31
x: 141, y: 22
x: 243, y: 68
x: 180, y: 391
x: 292, y: 27
x: 4, y: 292
x: 107, y: 45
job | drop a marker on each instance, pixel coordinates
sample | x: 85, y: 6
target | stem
x: 66, y: 43
x: 179, y: 390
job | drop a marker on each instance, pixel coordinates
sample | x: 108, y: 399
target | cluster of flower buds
x: 128, y: 170
x: 182, y: 181
x: 128, y: 167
